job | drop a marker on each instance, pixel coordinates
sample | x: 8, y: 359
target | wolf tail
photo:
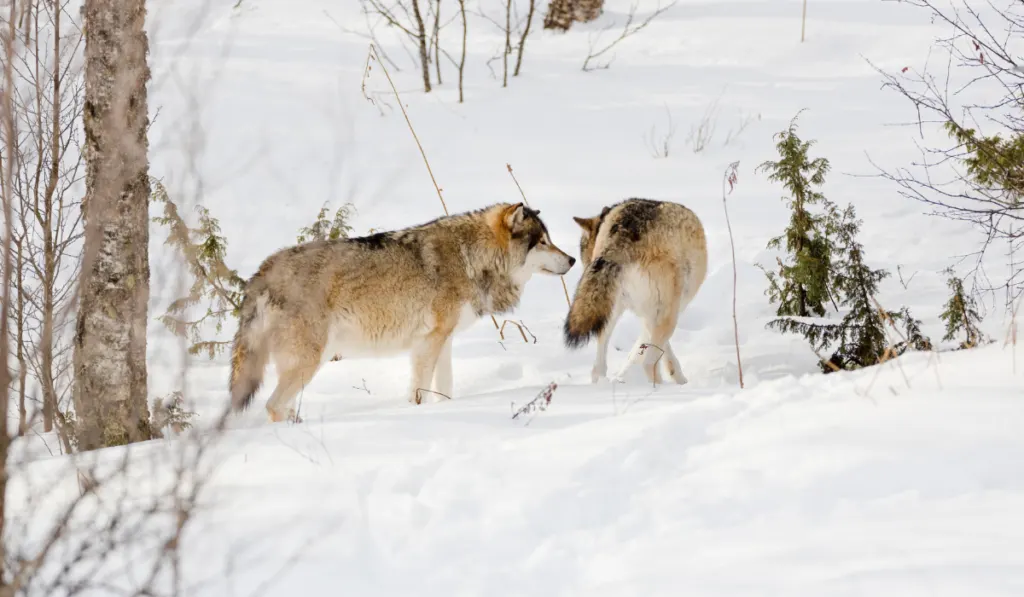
x: 249, y: 353
x: 593, y: 303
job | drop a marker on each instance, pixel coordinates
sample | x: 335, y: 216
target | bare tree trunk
x: 437, y: 39
x: 46, y: 355
x: 465, y: 32
x: 508, y: 42
x: 110, y: 341
x: 46, y: 221
x: 421, y: 35
x: 522, y: 40
x: 19, y: 322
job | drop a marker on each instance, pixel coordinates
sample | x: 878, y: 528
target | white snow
x: 903, y: 480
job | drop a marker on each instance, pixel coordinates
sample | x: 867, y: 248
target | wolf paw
x: 597, y: 375
x: 275, y: 417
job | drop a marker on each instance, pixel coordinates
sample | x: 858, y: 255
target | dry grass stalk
x: 661, y: 149
x: 565, y: 288
x: 730, y: 179
x: 523, y: 330
x: 1011, y: 332
x: 890, y: 353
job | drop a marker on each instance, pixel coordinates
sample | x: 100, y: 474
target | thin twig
x: 730, y: 179
x: 628, y: 30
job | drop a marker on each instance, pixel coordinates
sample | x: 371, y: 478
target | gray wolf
x: 649, y: 257
x: 407, y: 290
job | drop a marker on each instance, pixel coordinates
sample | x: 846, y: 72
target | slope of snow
x: 907, y: 480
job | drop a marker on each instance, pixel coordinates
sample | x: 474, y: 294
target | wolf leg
x: 443, y: 370
x: 292, y: 380
x: 661, y: 318
x: 634, y: 354
x: 424, y: 361
x: 661, y: 334
x: 672, y: 367
x: 601, y: 362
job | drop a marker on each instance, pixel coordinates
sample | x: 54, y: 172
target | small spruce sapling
x: 861, y: 333
x: 961, y: 314
x: 324, y: 229
x: 800, y: 286
x: 913, y: 338
x: 825, y: 265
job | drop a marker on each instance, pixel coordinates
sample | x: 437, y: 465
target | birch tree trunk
x: 110, y: 394
x: 421, y: 39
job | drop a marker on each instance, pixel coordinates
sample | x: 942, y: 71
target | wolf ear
x: 514, y: 216
x: 586, y: 224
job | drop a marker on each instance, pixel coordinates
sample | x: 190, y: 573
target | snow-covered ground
x: 903, y: 480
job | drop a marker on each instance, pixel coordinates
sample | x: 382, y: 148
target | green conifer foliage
x: 800, y: 286
x: 862, y: 338
x: 961, y: 314
x: 825, y: 265
x: 324, y: 229
x: 213, y: 282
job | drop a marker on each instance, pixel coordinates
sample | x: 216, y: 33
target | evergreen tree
x: 961, y: 314
x: 861, y: 334
x: 800, y: 287
x: 825, y: 264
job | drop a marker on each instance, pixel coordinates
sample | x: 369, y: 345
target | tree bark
x: 465, y: 32
x: 559, y: 15
x: 421, y: 34
x: 522, y: 40
x: 563, y: 13
x: 437, y: 40
x: 508, y: 43
x: 19, y: 322
x: 110, y: 394
x: 50, y: 406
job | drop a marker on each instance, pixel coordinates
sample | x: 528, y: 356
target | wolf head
x: 529, y: 241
